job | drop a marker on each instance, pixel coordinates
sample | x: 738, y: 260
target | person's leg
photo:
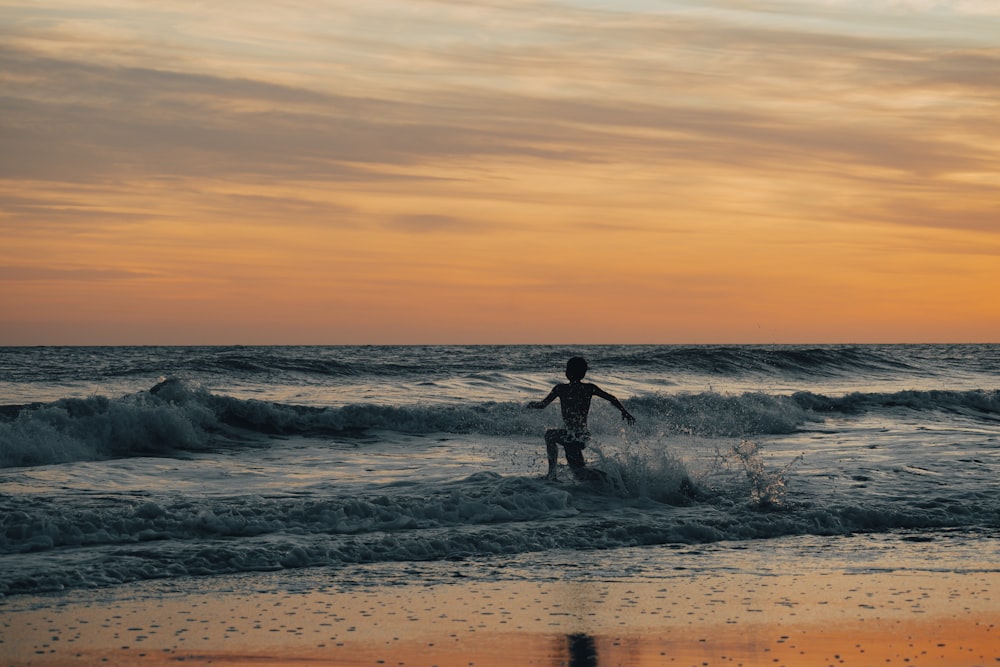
x: 577, y: 464
x: 574, y: 455
x: 553, y: 437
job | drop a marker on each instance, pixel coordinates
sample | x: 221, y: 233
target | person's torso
x: 574, y: 400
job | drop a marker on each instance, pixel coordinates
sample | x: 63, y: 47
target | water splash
x: 767, y: 489
x: 643, y: 471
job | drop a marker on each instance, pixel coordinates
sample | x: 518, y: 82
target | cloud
x: 933, y: 7
x: 58, y: 274
x: 929, y: 213
x: 96, y: 120
x: 88, y: 121
x: 43, y: 213
x: 431, y: 223
x: 676, y: 90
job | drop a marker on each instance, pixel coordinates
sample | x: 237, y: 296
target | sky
x: 499, y: 171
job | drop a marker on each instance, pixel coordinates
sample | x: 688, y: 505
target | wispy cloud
x: 60, y: 274
x: 418, y: 223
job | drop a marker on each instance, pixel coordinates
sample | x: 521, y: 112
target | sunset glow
x: 434, y: 171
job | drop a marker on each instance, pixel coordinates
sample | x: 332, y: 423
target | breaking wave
x: 177, y: 416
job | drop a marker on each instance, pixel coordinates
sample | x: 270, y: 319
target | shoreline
x: 473, y: 614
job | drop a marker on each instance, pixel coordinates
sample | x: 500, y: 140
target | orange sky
x: 445, y: 171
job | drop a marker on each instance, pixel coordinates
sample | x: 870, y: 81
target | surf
x: 177, y: 415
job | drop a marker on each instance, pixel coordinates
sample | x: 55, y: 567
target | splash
x: 644, y: 471
x: 767, y: 489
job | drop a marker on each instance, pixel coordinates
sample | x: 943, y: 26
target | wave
x: 177, y: 416
x: 786, y: 361
x: 485, y: 514
x: 413, y: 363
x: 976, y: 403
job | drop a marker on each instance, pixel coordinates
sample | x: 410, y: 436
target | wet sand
x: 307, y: 618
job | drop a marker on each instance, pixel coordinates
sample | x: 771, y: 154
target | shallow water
x: 264, y: 459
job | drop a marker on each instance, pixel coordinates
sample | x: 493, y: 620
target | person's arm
x: 538, y: 405
x: 626, y: 415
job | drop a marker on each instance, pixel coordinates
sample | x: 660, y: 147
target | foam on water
x: 58, y: 540
x: 182, y: 416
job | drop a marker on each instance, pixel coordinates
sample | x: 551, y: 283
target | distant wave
x: 413, y: 363
x: 722, y: 360
x: 180, y: 416
x: 787, y: 361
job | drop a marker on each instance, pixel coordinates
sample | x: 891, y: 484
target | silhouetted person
x: 574, y: 399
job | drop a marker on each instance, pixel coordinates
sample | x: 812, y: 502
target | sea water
x: 126, y: 464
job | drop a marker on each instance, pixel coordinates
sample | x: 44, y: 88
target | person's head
x: 576, y: 368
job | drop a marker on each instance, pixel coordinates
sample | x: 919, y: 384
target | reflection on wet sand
x: 582, y: 650
x: 943, y: 643
x: 938, y: 619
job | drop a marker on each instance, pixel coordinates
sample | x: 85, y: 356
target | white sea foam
x: 177, y: 415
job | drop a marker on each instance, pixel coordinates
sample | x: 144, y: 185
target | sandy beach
x: 462, y: 614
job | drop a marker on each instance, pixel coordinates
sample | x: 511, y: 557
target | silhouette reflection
x: 582, y: 650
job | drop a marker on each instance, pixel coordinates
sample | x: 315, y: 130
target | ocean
x: 133, y: 464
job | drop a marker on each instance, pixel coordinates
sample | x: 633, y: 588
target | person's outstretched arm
x: 626, y: 415
x: 538, y: 405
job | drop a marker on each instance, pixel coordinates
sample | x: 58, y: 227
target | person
x: 574, y: 400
